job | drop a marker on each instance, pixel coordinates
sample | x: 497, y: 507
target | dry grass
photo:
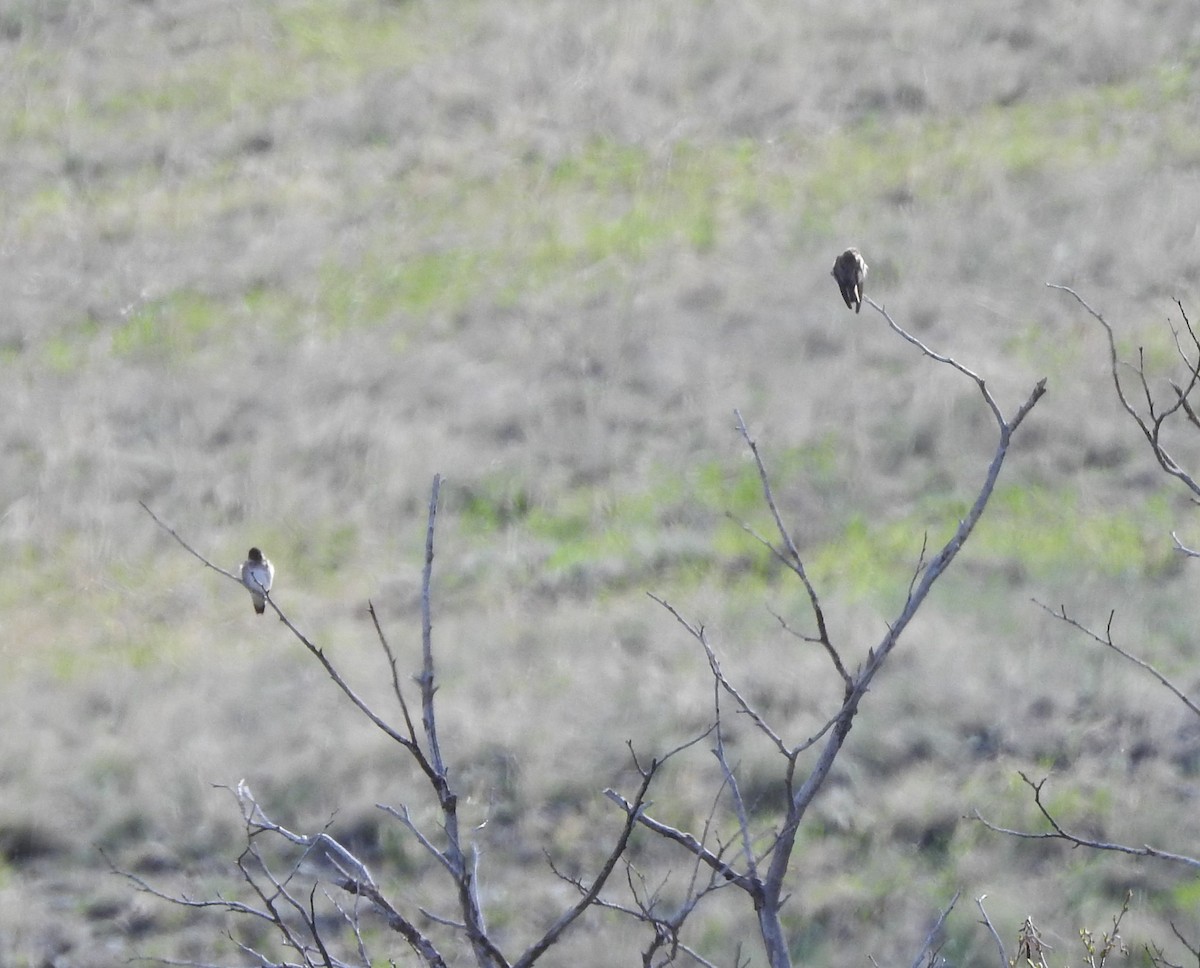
x: 270, y: 267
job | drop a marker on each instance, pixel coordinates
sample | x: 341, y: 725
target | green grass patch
x: 68, y: 353
x: 169, y: 328
x: 954, y: 156
x: 1186, y: 896
x: 1053, y: 532
x: 349, y: 39
x: 538, y: 225
x: 677, y: 528
x: 1050, y: 533
x: 166, y: 330
x: 313, y: 48
x: 378, y: 287
x: 316, y: 551
x: 609, y: 205
x: 613, y: 205
x: 492, y: 503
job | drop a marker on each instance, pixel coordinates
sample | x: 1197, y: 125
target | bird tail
x: 260, y: 605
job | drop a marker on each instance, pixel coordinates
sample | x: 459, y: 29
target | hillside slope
x: 269, y: 267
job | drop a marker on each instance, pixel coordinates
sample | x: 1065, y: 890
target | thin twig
x: 1058, y: 832
x: 793, y: 559
x: 391, y: 658
x: 632, y: 817
x: 699, y: 634
x: 1107, y: 641
x: 187, y: 547
x: 405, y: 818
x: 688, y: 841
x: 931, y: 938
x: 735, y: 791
x: 1180, y: 546
x: 1151, y: 430
x: 1004, y: 962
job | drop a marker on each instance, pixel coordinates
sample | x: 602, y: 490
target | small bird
x: 257, y: 573
x: 850, y: 271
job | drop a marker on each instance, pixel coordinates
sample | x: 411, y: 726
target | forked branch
x: 284, y: 906
x: 1059, y: 832
x: 1153, y: 420
x: 767, y: 889
x: 1107, y: 641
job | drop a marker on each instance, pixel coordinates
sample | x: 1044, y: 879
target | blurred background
x: 269, y: 267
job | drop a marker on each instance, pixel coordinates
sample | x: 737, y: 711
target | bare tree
x: 761, y: 874
x: 300, y: 907
x: 287, y: 898
x: 1155, y: 418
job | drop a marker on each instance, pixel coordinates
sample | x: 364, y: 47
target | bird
x: 256, y: 574
x: 850, y: 271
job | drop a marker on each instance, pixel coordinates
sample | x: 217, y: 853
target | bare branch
x: 426, y: 678
x: 316, y: 651
x: 405, y: 818
x: 632, y: 816
x: 1180, y: 546
x: 793, y: 559
x: 735, y: 791
x: 187, y: 547
x: 1004, y: 962
x: 802, y: 797
x: 1151, y: 428
x: 714, y: 665
x: 391, y: 658
x: 931, y: 938
x: 1058, y: 832
x: 940, y: 358
x: 767, y: 892
x: 783, y: 623
x: 1192, y: 949
x: 685, y: 840
x: 1107, y: 641
x: 920, y: 566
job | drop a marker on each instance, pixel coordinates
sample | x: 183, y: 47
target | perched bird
x: 257, y: 573
x: 850, y: 271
